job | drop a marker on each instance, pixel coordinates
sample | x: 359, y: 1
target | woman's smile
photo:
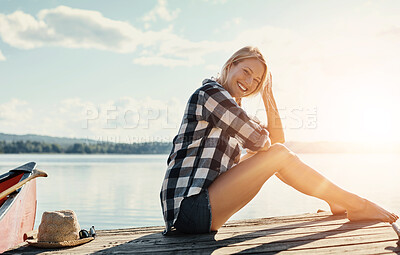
x: 242, y: 87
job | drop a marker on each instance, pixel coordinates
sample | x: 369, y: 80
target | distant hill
x: 298, y: 147
x: 14, y: 144
x: 63, y: 141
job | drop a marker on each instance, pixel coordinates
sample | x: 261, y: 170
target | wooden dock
x: 302, y: 234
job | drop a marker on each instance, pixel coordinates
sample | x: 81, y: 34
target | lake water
x: 122, y: 191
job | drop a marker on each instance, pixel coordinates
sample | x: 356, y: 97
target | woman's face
x: 244, y: 77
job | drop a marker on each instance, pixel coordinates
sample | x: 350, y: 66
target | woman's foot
x: 336, y: 209
x: 370, y: 211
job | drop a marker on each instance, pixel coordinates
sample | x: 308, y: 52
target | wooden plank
x: 249, y: 231
x: 304, y: 243
x: 251, y: 245
x: 266, y: 231
x: 144, y: 241
x: 310, y: 233
x: 240, y: 226
x: 359, y: 249
x: 264, y: 243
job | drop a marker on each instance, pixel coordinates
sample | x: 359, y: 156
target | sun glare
x: 372, y: 116
x: 358, y: 112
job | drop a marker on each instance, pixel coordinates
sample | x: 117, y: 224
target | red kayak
x: 17, y: 210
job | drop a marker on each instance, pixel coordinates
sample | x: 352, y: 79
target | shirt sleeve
x: 221, y: 110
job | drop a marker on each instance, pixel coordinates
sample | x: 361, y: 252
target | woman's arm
x: 219, y: 108
x: 275, y: 129
x: 274, y: 121
x: 251, y: 153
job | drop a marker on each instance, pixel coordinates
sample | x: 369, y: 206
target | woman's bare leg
x: 310, y: 182
x: 335, y: 209
x: 235, y: 188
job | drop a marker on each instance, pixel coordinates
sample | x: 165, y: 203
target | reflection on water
x: 120, y: 191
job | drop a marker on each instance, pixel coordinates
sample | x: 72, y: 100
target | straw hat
x: 59, y: 229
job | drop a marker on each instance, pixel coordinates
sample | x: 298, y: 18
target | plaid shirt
x: 208, y: 143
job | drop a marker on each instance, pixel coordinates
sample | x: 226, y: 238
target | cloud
x: 15, y: 110
x: 177, y: 51
x: 2, y: 58
x: 15, y: 114
x: 70, y: 28
x: 75, y: 28
x: 130, y: 119
x: 161, y: 11
x: 125, y: 119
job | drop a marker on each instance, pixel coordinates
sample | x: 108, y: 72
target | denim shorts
x: 195, y: 214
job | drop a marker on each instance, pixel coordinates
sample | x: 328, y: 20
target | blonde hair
x: 240, y: 55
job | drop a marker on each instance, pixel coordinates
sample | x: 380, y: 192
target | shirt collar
x: 212, y: 80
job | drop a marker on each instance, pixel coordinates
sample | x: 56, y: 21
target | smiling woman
x: 207, y: 181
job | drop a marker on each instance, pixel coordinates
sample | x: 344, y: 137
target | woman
x: 206, y: 181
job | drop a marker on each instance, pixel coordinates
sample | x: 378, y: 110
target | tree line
x: 85, y: 148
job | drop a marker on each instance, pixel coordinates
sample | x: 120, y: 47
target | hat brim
x: 63, y: 244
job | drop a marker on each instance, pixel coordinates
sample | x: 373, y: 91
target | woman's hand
x: 267, y: 145
x: 265, y: 148
x: 250, y: 153
x: 275, y: 128
x: 267, y: 90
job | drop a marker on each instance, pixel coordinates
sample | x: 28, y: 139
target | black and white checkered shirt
x: 209, y: 141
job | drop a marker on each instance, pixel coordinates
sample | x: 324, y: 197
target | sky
x: 122, y: 71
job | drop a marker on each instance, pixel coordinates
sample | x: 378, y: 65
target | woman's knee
x: 280, y: 152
